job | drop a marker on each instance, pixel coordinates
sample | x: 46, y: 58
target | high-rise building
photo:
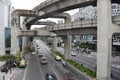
x: 5, y: 22
x: 90, y: 12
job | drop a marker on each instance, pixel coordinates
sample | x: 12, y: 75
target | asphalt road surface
x: 90, y: 62
x: 54, y: 66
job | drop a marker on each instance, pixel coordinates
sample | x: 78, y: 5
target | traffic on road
x: 42, y: 64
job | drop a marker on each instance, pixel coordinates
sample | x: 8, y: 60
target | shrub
x: 58, y: 53
x: 25, y: 49
x: 18, y: 57
x: 77, y: 65
x: 7, y: 57
x: 82, y: 68
x: 11, y: 57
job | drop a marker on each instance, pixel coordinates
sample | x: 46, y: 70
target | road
x: 90, y: 62
x: 37, y: 71
x: 33, y: 71
x: 56, y: 66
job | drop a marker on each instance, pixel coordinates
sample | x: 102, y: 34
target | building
x: 115, y: 9
x: 5, y: 22
x: 90, y: 12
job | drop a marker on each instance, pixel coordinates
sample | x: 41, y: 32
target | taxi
x: 57, y: 58
x: 22, y: 64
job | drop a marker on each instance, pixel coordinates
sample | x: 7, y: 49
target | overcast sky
x: 25, y: 4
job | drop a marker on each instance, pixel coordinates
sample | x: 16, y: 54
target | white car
x: 33, y: 53
x: 43, y: 60
x: 73, y: 53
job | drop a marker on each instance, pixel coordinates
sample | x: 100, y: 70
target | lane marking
x: 17, y: 73
x: 11, y: 76
x: 40, y: 68
x: 58, y: 78
x: 25, y: 71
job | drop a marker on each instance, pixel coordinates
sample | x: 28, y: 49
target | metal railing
x: 79, y: 24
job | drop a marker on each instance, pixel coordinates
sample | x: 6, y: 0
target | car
x: 38, y: 48
x: 58, y: 58
x: 50, y: 48
x: 32, y: 48
x: 22, y: 64
x: 69, y: 77
x: 37, y: 45
x: 33, y: 52
x: 73, y: 53
x: 8, y: 65
x: 50, y: 76
x: 39, y: 52
x: 40, y: 55
x: 4, y: 68
x: 43, y: 60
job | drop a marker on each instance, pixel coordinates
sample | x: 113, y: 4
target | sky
x: 25, y: 4
x: 30, y: 4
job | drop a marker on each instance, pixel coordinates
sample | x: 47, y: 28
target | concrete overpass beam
x: 104, y: 40
x: 66, y: 16
x: 27, y: 13
x: 44, y: 23
x: 67, y: 47
x: 115, y: 28
x: 49, y: 26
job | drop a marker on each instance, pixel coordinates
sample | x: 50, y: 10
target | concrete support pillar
x: 14, y: 35
x: 24, y: 44
x: 104, y: 40
x: 25, y: 38
x: 67, y: 47
x: 29, y: 40
x: 55, y: 44
x: 14, y: 40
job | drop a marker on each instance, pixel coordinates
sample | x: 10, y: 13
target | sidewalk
x: 9, y: 75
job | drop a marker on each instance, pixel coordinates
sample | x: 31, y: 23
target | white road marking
x: 40, y: 69
x: 25, y: 72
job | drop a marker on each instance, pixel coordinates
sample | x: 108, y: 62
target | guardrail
x: 79, y: 24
